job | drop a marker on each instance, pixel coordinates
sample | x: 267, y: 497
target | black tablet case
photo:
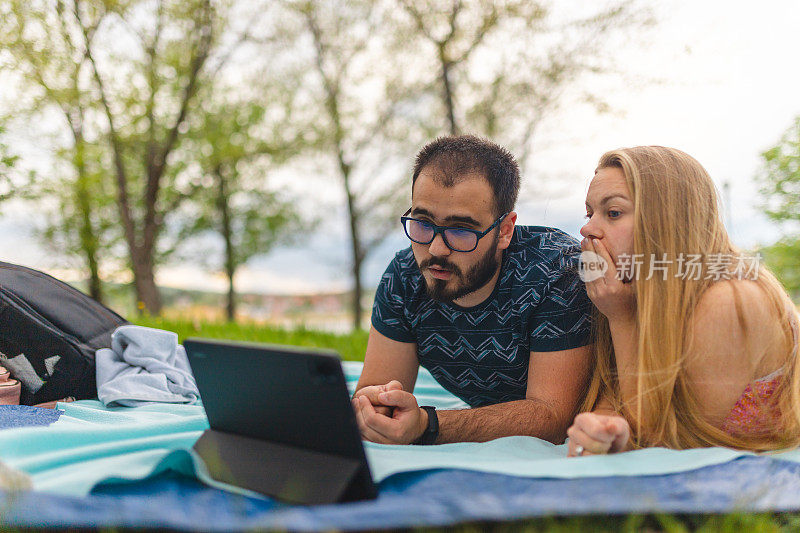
x: 281, y: 422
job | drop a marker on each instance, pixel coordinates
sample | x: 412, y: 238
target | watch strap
x: 431, y: 433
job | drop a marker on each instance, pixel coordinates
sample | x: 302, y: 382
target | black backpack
x: 49, y: 332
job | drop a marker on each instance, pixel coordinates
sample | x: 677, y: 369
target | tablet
x: 281, y: 422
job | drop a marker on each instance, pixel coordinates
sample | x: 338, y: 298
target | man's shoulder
x: 538, y: 248
x: 404, y: 263
x: 542, y: 237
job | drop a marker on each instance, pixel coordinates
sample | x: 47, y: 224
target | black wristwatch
x: 431, y: 433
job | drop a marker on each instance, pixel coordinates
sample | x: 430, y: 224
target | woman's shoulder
x: 735, y: 322
x: 734, y: 303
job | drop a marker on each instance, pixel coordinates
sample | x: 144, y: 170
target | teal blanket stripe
x: 91, y: 444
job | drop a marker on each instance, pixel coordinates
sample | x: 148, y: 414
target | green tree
x: 146, y: 97
x: 498, y: 67
x: 780, y: 190
x: 234, y: 198
x: 49, y: 61
x: 361, y: 105
x: 126, y: 79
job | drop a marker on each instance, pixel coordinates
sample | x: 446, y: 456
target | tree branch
x: 122, y: 179
x: 156, y: 172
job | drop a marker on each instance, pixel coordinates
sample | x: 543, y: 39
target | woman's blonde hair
x: 676, y: 215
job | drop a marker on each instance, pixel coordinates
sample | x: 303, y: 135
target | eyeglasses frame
x: 441, y: 229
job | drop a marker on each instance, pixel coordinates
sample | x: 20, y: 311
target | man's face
x: 469, y: 203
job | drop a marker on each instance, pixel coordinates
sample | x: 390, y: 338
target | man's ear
x: 507, y: 230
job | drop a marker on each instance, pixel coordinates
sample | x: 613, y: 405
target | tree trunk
x: 226, y: 230
x: 357, y: 261
x: 230, y: 308
x: 355, y: 242
x: 447, y: 92
x: 147, y: 294
x: 95, y: 289
x: 358, y: 291
x: 89, y: 242
x: 88, y: 238
x: 332, y: 87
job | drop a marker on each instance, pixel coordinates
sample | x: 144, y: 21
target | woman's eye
x: 587, y: 215
x: 614, y: 214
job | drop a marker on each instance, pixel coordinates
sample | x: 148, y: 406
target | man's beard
x: 477, y: 276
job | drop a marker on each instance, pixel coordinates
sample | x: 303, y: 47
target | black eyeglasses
x: 457, y: 239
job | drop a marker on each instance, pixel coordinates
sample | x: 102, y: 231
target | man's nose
x: 438, y: 247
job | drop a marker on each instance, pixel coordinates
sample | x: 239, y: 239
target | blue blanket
x: 127, y: 456
x: 18, y: 416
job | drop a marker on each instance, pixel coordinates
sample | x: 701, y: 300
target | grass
x: 729, y: 523
x: 352, y: 347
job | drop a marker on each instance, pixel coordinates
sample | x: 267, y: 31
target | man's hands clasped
x: 387, y: 414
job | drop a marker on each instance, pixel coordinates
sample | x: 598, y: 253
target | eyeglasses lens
x: 419, y: 231
x: 461, y: 240
x: 458, y: 240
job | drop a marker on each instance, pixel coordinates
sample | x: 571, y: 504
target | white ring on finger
x: 579, y: 450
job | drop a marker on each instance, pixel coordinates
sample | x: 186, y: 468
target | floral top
x: 756, y: 411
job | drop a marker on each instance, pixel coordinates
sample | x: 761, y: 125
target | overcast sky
x: 731, y: 88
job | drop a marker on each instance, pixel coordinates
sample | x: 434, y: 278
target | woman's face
x: 609, y: 212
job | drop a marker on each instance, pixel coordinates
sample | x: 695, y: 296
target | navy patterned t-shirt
x: 481, y: 353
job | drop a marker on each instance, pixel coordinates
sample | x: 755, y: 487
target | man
x: 495, y: 312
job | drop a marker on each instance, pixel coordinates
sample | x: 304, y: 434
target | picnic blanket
x: 124, y: 456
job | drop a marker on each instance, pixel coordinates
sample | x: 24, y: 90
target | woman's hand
x: 613, y: 297
x: 596, y: 434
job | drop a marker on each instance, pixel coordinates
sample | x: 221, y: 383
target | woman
x: 696, y: 344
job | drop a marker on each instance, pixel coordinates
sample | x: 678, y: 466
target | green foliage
x: 125, y: 76
x: 351, y: 346
x: 364, y: 115
x: 780, y: 191
x: 7, y: 162
x: 49, y: 59
x: 780, y: 178
x: 480, y: 80
x: 233, y: 196
x: 783, y: 258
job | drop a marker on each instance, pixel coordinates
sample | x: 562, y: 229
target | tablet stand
x: 288, y: 473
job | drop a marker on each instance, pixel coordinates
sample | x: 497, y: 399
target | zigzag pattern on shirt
x: 497, y: 385
x: 470, y: 377
x: 463, y: 347
x: 455, y: 316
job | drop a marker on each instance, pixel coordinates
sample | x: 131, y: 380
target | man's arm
x: 556, y: 382
x: 387, y: 360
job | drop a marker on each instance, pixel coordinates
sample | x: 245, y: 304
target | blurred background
x: 210, y: 161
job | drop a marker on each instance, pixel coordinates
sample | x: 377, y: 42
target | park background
x: 271, y: 142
